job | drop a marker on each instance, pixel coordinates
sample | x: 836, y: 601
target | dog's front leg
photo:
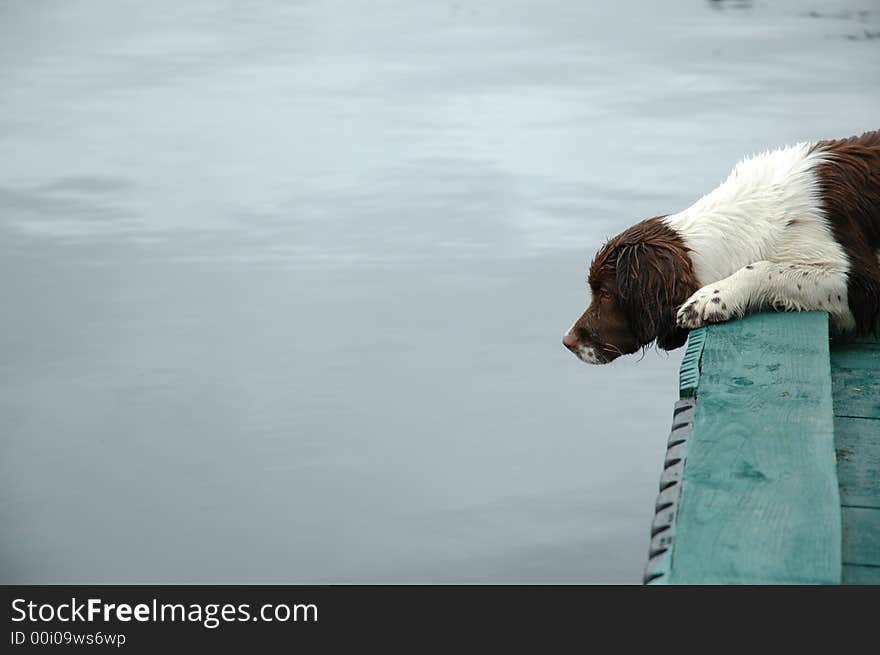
x: 784, y: 287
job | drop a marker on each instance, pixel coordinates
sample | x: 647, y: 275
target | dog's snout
x: 570, y: 340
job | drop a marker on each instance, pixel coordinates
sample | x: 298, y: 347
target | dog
x: 793, y: 229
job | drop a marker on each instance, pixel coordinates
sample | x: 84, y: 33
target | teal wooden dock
x: 772, y: 473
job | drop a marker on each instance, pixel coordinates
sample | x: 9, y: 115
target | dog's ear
x: 653, y: 281
x: 675, y: 338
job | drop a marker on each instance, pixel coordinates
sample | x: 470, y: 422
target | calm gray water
x: 283, y: 283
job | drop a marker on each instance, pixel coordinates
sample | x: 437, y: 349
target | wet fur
x: 653, y: 276
x: 797, y: 228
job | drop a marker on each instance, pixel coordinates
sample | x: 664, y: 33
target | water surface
x: 283, y: 284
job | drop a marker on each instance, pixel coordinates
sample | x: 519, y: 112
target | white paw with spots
x: 711, y: 304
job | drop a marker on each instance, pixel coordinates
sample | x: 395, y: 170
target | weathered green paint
x: 856, y: 393
x: 856, y: 382
x: 861, y: 536
x: 772, y: 472
x: 858, y: 461
x: 856, y: 378
x: 854, y: 574
x: 759, y: 499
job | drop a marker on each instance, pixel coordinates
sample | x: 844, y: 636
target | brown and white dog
x: 794, y: 229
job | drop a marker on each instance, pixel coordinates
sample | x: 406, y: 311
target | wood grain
x: 856, y: 379
x: 856, y: 392
x: 858, y: 461
x: 759, y: 501
x: 861, y: 536
x: 855, y: 574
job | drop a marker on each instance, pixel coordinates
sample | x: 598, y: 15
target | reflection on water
x: 284, y: 283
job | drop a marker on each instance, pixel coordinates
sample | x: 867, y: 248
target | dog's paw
x: 708, y: 305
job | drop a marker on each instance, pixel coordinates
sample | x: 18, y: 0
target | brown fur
x: 850, y: 184
x: 641, y: 277
x: 638, y: 279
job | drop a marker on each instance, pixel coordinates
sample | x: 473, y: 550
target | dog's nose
x: 570, y: 340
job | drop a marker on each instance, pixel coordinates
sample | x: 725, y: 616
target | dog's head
x: 638, y: 281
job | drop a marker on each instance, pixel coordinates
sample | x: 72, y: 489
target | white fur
x: 587, y: 354
x: 766, y: 215
x: 584, y: 353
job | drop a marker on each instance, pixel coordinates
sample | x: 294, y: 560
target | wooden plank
x: 855, y: 378
x: 759, y: 501
x: 861, y: 535
x: 855, y: 354
x: 856, y: 392
x: 855, y: 574
x: 857, y: 441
